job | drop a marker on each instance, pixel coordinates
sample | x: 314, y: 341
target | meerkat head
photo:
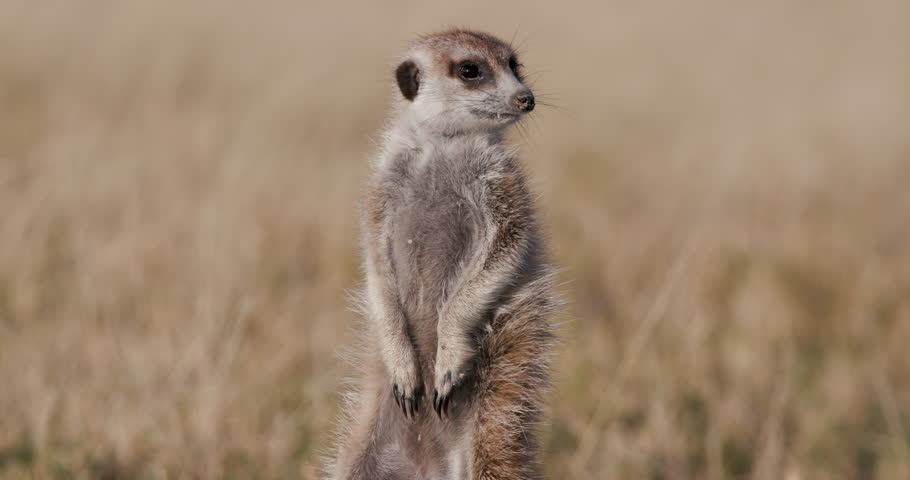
x: 462, y: 81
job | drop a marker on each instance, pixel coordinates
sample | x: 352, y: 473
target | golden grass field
x: 725, y: 186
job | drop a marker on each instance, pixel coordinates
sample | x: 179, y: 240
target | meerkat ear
x: 408, y: 76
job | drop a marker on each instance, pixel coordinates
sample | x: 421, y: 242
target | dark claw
x: 441, y: 401
x: 437, y: 403
x: 440, y: 404
x: 409, y: 404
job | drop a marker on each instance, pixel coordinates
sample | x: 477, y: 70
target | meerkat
x: 458, y: 294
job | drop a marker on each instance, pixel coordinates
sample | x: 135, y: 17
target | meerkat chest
x: 437, y: 226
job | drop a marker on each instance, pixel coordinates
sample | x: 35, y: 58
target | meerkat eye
x: 469, y: 71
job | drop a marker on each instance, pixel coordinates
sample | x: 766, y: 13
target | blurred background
x: 725, y: 185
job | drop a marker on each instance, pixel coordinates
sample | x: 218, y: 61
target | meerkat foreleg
x: 455, y: 348
x: 492, y: 268
x: 390, y: 323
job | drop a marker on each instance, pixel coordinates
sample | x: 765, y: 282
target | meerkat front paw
x: 407, y: 389
x: 451, y: 370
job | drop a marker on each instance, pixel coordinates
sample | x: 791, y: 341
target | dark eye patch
x: 515, y: 67
x: 472, y: 73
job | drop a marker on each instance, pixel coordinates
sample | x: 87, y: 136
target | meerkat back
x: 458, y: 294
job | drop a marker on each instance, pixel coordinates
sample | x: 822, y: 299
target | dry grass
x: 725, y: 185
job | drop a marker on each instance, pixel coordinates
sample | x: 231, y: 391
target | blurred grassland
x: 725, y: 185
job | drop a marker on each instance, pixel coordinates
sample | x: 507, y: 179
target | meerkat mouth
x: 498, y: 116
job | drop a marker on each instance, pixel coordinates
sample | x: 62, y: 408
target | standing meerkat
x: 458, y: 290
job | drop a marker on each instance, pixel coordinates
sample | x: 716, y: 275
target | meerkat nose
x: 524, y: 101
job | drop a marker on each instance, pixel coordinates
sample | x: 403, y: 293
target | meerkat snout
x: 525, y: 101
